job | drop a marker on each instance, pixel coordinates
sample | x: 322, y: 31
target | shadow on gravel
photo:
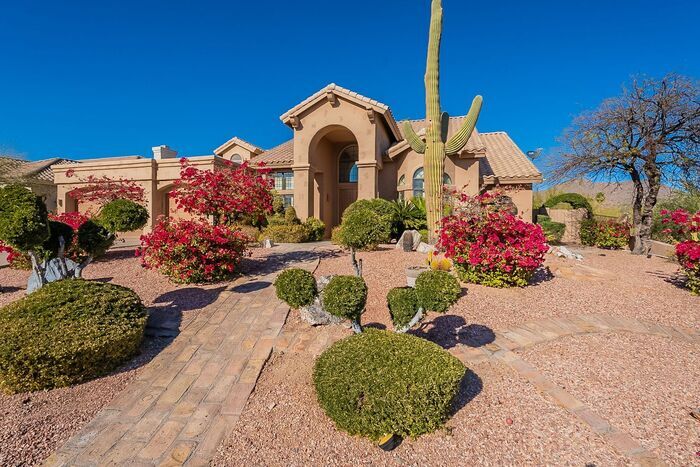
x: 448, y: 331
x: 253, y: 286
x: 187, y: 299
x: 471, y: 387
x: 677, y: 279
x: 541, y: 275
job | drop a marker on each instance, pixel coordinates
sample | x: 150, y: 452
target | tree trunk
x: 78, y: 274
x: 356, y: 327
x: 36, y: 266
x: 637, y: 203
x: 418, y: 316
x: 647, y: 213
x: 356, y: 264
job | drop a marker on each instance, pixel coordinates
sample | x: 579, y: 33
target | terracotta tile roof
x: 12, y: 169
x: 474, y: 145
x: 505, y: 162
x: 279, y: 156
x: 350, y: 95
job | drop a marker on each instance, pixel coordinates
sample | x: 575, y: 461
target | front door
x: 347, y: 194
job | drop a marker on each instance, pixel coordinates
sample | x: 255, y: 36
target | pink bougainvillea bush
x: 102, y: 190
x: 490, y: 245
x: 687, y: 228
x: 229, y: 194
x: 609, y: 234
x: 193, y: 251
x: 75, y: 220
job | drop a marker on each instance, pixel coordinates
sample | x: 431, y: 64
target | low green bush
x: 363, y: 229
x: 290, y: 216
x: 24, y: 221
x: 345, y: 297
x: 383, y: 208
x: 588, y: 232
x: 575, y: 200
x: 553, y: 231
x: 608, y: 234
x: 285, y: 233
x: 379, y: 382
x: 315, y: 229
x: 122, y: 215
x: 296, y: 287
x: 437, y: 290
x: 424, y: 235
x: 250, y: 230
x: 403, y: 305
x: 68, y: 332
x: 497, y: 278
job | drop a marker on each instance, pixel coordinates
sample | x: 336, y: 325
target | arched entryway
x: 333, y: 156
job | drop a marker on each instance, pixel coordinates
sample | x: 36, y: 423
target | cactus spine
x: 436, y: 145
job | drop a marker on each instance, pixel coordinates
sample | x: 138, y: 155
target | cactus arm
x: 460, y: 139
x: 415, y: 141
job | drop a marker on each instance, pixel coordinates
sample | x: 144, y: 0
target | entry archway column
x: 303, y: 186
x: 367, y: 175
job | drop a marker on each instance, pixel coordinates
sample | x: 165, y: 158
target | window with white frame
x: 283, y: 180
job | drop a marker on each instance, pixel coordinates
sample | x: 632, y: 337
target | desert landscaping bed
x: 644, y: 385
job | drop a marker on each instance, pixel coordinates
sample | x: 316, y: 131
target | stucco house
x: 344, y: 147
x: 35, y: 175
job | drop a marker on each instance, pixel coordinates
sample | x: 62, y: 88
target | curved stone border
x: 518, y: 337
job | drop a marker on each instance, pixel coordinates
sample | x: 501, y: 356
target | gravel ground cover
x: 34, y: 424
x: 611, y: 282
x: 644, y: 385
x: 284, y: 425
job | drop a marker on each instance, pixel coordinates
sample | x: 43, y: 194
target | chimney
x: 163, y: 152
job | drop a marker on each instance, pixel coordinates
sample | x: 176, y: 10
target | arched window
x: 419, y: 182
x: 237, y: 158
x: 347, y: 165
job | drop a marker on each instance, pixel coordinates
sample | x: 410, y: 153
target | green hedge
x: 122, y: 215
x: 437, y: 290
x: 345, y: 297
x: 403, y: 305
x: 94, y: 238
x: 296, y: 287
x: 285, y: 233
x: 576, y: 201
x: 379, y: 382
x: 554, y: 231
x: 66, y: 333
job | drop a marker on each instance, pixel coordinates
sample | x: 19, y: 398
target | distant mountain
x: 618, y: 194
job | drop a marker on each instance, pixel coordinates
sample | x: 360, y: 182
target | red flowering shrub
x: 229, y: 194
x: 102, y: 190
x: 489, y: 245
x: 608, y: 234
x: 75, y: 220
x: 193, y: 251
x: 15, y: 259
x: 687, y: 228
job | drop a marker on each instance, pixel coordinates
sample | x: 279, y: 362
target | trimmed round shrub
x: 383, y: 208
x: 437, y: 290
x: 285, y: 233
x: 379, y: 382
x: 24, y: 220
x: 363, y: 229
x: 315, y: 229
x: 68, y: 332
x: 296, y: 287
x: 94, y: 238
x: 576, y: 201
x: 290, y: 215
x: 345, y: 297
x: 403, y: 305
x: 58, y: 229
x: 122, y: 215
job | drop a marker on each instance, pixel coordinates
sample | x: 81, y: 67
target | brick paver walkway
x: 183, y: 403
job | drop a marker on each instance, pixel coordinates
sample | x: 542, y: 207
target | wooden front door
x: 347, y: 194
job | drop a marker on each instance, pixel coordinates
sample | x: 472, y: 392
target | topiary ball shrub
x: 403, y: 305
x: 296, y: 287
x: 68, y: 332
x: 315, y: 229
x: 94, y: 238
x: 345, y: 297
x: 363, y: 229
x: 53, y: 244
x: 290, y: 215
x: 437, y: 290
x: 122, y: 215
x: 24, y: 220
x: 379, y: 382
x: 575, y: 200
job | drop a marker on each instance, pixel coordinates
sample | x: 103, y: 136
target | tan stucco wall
x: 522, y: 198
x: 245, y: 154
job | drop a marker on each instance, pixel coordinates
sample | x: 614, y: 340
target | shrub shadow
x: 187, y: 299
x: 274, y: 262
x: 677, y: 278
x: 542, y: 274
x: 10, y: 289
x: 448, y: 331
x: 471, y: 386
x: 375, y: 326
x: 252, y: 286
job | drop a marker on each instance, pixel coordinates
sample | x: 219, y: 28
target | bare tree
x: 650, y: 134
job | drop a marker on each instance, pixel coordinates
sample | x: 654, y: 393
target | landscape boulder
x: 315, y: 314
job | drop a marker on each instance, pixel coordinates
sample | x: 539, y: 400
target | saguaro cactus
x: 436, y: 145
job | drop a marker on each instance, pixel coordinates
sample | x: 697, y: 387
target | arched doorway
x: 333, y: 156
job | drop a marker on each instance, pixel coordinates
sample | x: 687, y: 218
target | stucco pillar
x: 303, y: 195
x: 367, y: 180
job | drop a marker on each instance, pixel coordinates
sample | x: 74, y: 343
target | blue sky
x: 91, y: 79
